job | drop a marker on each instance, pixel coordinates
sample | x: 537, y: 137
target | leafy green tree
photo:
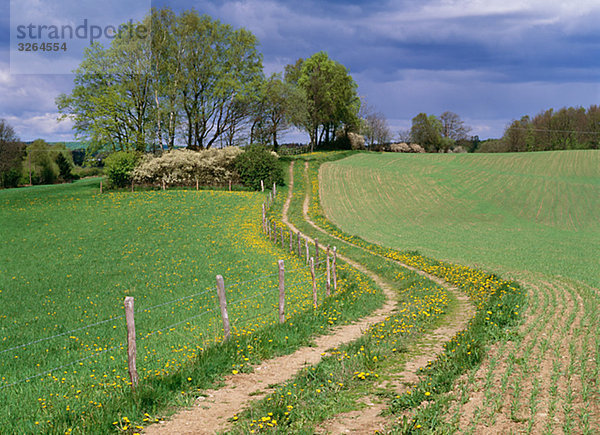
x: 11, y: 156
x: 65, y: 168
x: 220, y: 67
x: 427, y: 132
x: 190, y: 76
x: 563, y: 129
x: 110, y: 102
x: 274, y: 109
x: 329, y: 96
x: 41, y: 162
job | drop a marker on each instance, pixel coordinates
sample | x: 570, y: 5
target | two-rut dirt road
x: 213, y: 412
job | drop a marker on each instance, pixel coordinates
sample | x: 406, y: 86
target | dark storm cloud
x: 489, y: 61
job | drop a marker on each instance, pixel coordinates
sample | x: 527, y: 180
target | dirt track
x: 213, y: 412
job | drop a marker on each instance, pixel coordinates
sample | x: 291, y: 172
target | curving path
x: 367, y: 420
x: 213, y: 412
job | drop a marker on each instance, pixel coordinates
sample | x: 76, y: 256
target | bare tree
x: 375, y: 127
x: 453, y: 127
x: 404, y: 135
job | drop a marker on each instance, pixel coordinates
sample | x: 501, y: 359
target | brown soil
x: 514, y: 390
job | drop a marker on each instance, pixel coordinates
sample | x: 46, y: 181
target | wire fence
x: 239, y: 321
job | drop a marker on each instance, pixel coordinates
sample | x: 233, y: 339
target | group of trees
x: 35, y: 163
x: 439, y: 134
x: 563, y: 129
x: 197, y: 82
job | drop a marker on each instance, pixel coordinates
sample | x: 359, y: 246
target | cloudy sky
x: 490, y: 61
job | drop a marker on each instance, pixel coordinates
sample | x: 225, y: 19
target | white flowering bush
x: 210, y: 167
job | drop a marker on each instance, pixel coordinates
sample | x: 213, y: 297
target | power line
x: 553, y: 131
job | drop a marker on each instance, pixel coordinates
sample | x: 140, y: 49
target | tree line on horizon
x: 568, y: 128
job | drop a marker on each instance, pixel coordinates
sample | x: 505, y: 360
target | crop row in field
x: 499, y: 306
x: 505, y: 212
x: 519, y: 214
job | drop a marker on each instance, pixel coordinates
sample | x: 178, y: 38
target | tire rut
x: 212, y: 413
x: 364, y: 422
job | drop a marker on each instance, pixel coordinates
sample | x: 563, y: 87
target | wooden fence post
x: 299, y: 246
x: 307, y: 250
x: 281, y: 292
x: 132, y: 185
x: 328, y: 288
x: 262, y: 186
x: 131, y: 347
x: 291, y: 242
x: 281, y: 232
x: 317, y: 252
x: 230, y: 185
x: 274, y: 232
x: 223, y: 304
x: 264, y: 218
x: 164, y: 185
x: 314, y: 281
x: 274, y: 190
x: 197, y: 186
x: 334, y: 269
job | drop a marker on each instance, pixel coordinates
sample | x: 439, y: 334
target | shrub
x: 403, y: 147
x: 211, y: 167
x: 400, y: 148
x: 119, y: 167
x: 87, y: 171
x: 257, y: 163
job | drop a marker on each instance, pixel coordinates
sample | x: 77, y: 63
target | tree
x: 216, y: 74
x: 427, y: 132
x: 189, y: 79
x: 119, y: 167
x: 404, y: 135
x: 374, y: 127
x: 110, y: 102
x: 64, y: 167
x: 330, y: 97
x: 256, y: 163
x: 453, y: 127
x: 11, y: 156
x: 273, y: 115
x: 41, y: 163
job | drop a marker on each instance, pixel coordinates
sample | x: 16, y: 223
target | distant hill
x: 72, y: 145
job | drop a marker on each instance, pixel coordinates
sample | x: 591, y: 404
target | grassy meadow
x: 70, y: 256
x: 504, y: 212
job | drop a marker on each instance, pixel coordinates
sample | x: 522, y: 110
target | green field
x: 70, y: 256
x: 504, y: 212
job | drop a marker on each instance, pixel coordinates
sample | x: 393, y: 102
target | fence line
x: 149, y: 334
x: 142, y: 310
x: 220, y: 286
x: 60, y: 368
